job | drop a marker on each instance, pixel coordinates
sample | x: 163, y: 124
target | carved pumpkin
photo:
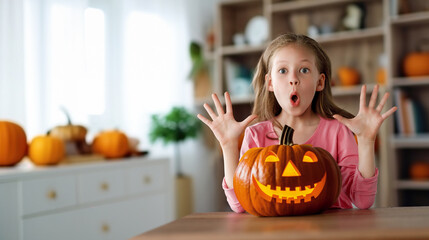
x: 46, y: 150
x: 287, y: 179
x: 13, y: 143
x: 111, y: 144
x: 416, y: 64
x: 348, y: 76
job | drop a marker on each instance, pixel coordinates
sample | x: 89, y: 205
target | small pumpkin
x: 13, y: 143
x: 287, y: 179
x: 69, y: 132
x: 416, y: 64
x: 348, y: 76
x: 111, y: 144
x: 46, y: 150
x: 419, y: 170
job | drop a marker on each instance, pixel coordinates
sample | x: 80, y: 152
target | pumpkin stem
x: 286, y: 137
x: 64, y: 110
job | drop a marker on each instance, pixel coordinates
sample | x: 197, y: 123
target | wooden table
x: 377, y: 223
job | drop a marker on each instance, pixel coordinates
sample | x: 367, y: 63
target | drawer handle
x: 104, y: 186
x: 147, y: 180
x: 52, y: 194
x: 105, y: 228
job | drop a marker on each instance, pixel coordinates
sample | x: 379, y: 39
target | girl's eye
x: 282, y: 71
x: 305, y: 70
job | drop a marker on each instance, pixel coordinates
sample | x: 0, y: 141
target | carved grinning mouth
x: 288, y: 194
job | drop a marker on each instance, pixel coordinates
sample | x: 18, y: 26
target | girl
x: 292, y: 87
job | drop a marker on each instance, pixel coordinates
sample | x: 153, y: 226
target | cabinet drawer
x: 123, y: 220
x: 48, y: 194
x: 147, y: 179
x: 98, y: 186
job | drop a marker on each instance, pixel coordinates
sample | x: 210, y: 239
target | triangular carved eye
x: 272, y: 157
x: 309, y: 156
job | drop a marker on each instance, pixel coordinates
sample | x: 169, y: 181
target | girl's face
x: 294, y: 78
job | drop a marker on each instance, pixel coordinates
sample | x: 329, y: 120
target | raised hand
x: 223, y: 124
x: 369, y: 118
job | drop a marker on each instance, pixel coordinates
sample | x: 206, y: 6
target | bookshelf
x: 392, y: 28
x: 408, y: 29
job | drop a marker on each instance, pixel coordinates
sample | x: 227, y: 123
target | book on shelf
x: 409, y: 118
x: 238, y: 79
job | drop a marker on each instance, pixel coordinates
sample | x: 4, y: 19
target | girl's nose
x: 293, y: 81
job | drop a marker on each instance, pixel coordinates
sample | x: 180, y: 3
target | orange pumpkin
x: 46, y: 150
x: 111, y: 144
x: 419, y: 170
x: 13, y: 143
x: 287, y: 179
x: 348, y: 76
x: 416, y: 64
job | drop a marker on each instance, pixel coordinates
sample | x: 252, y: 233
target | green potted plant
x: 174, y: 127
x: 200, y: 72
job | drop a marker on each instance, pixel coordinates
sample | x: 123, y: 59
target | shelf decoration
x: 256, y: 31
x: 409, y: 117
x: 287, y: 179
x: 416, y: 64
x: 354, y: 17
x: 238, y: 79
x: 348, y: 76
x: 419, y: 170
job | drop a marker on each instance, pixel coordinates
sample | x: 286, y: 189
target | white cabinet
x: 103, y: 200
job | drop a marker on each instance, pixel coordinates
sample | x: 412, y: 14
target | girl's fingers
x: 389, y: 112
x: 219, y: 107
x: 382, y: 102
x: 248, y: 120
x: 373, y: 99
x: 362, y: 103
x: 210, y: 111
x: 228, y: 103
x: 204, y: 120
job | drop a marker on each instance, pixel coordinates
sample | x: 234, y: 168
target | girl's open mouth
x: 294, y: 99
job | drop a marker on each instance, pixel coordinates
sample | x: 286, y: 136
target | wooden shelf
x: 410, y: 18
x: 412, y: 141
x: 304, y: 5
x: 411, y: 184
x: 410, y: 81
x: 238, y: 50
x: 351, y: 35
x: 341, y: 91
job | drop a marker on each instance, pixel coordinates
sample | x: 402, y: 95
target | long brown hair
x: 266, y: 105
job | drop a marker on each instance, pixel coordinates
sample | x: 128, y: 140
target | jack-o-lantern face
x: 289, y: 193
x: 287, y: 179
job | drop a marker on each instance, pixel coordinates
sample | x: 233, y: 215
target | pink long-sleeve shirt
x: 338, y: 140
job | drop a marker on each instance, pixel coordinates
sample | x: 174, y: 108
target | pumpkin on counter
x: 416, y: 64
x: 69, y: 132
x: 46, y: 150
x: 287, y: 179
x: 13, y: 143
x: 111, y: 144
